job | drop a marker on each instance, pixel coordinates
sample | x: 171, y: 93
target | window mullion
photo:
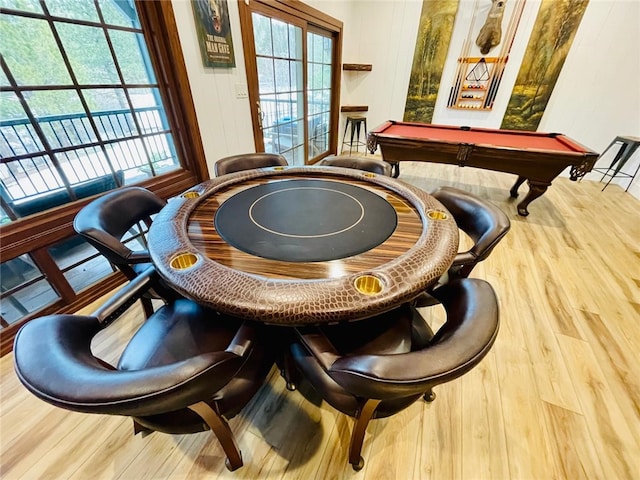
x: 125, y: 90
x: 34, y: 122
x: 80, y: 94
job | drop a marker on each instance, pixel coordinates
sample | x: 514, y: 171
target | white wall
x: 224, y: 119
x: 597, y: 96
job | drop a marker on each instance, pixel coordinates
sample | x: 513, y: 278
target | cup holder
x: 183, y: 261
x: 369, y: 285
x: 437, y: 215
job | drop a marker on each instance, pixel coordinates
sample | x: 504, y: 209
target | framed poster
x: 214, y: 32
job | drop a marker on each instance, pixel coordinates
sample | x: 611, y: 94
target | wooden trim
x: 306, y: 12
x: 46, y: 228
x: 161, y: 35
x: 249, y: 50
x: 86, y: 297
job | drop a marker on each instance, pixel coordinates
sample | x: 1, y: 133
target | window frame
x: 34, y: 234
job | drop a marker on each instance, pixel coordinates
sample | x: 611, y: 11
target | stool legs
x: 344, y: 135
x: 354, y: 123
x: 628, y: 146
x: 354, y: 127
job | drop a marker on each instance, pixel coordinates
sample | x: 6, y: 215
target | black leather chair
x: 482, y: 221
x: 183, y: 371
x: 105, y: 222
x: 376, y: 367
x: 360, y: 163
x: 247, y: 161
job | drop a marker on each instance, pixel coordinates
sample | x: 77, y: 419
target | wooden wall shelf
x: 360, y: 67
x: 354, y: 108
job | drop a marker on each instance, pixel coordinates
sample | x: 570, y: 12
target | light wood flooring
x: 558, y: 396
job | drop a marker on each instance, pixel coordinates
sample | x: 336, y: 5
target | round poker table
x: 302, y: 245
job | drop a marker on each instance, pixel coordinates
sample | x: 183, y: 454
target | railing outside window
x: 30, y: 183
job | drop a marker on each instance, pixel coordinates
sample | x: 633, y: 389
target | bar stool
x: 355, y: 122
x: 628, y: 146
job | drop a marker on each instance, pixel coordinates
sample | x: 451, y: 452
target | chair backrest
x: 466, y: 337
x: 183, y: 370
x: 482, y: 221
x: 360, y: 163
x: 247, y: 161
x: 104, y: 221
x: 402, y: 359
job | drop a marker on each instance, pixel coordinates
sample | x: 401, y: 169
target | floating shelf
x: 354, y: 108
x: 361, y: 67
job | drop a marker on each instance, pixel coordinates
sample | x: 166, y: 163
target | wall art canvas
x: 432, y: 44
x: 214, y: 32
x: 553, y: 33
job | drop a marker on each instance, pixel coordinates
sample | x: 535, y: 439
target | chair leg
x: 288, y: 372
x: 223, y: 433
x: 429, y: 396
x: 137, y: 428
x: 359, y: 429
x: 147, y: 306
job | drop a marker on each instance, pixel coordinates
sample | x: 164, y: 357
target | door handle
x: 259, y: 115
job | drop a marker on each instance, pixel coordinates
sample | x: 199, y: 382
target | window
x: 93, y: 96
x: 81, y: 109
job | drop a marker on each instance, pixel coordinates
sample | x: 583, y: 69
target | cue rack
x: 478, y: 77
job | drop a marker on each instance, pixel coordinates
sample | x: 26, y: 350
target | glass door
x: 293, y: 86
x: 319, y: 76
x: 281, y: 105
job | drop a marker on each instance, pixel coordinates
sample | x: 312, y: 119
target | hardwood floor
x: 558, y: 396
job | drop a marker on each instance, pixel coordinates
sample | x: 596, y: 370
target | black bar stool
x: 355, y: 122
x: 628, y: 146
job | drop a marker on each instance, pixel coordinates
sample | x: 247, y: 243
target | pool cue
x: 513, y: 26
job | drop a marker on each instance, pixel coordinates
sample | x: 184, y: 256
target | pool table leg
x: 536, y: 189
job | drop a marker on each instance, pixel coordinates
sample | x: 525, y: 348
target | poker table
x: 535, y: 157
x: 302, y: 245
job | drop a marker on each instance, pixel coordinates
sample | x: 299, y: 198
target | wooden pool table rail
x: 538, y: 167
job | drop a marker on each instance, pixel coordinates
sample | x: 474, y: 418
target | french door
x: 293, y: 82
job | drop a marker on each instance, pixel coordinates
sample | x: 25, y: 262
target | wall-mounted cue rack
x: 478, y: 77
x: 476, y: 82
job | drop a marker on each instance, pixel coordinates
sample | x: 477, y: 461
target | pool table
x: 535, y: 157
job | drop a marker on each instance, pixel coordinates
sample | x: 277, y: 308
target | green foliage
x: 420, y: 109
x: 432, y: 43
x: 29, y: 48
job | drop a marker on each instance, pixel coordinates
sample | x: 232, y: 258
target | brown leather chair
x: 183, y: 371
x: 376, y: 367
x: 360, y: 163
x: 482, y: 221
x: 115, y: 224
x: 248, y: 161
